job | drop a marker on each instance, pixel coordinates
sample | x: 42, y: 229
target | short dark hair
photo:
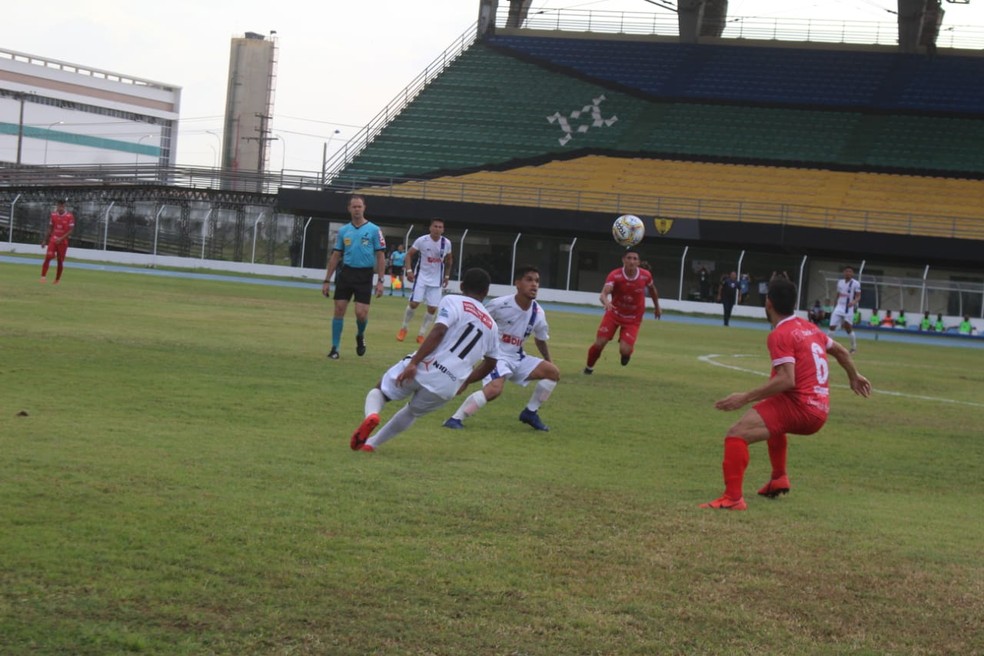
x: 476, y: 282
x: 782, y: 293
x: 356, y: 197
x: 523, y: 270
x: 435, y: 219
x: 631, y: 249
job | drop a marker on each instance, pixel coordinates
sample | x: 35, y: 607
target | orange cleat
x: 775, y: 487
x: 420, y: 339
x: 402, y: 335
x: 363, y: 432
x: 726, y: 503
x: 367, y: 448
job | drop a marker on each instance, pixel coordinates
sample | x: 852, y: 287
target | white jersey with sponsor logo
x: 516, y: 324
x: 429, y: 263
x: 471, y: 336
x: 846, y: 290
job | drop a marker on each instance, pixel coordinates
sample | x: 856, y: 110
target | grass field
x: 182, y: 484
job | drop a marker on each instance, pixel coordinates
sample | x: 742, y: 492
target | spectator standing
x: 744, y: 286
x: 396, y: 260
x: 728, y: 294
x: 704, y: 284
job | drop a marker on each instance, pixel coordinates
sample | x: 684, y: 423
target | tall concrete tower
x: 249, y: 103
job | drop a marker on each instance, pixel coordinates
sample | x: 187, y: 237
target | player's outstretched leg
x: 363, y: 432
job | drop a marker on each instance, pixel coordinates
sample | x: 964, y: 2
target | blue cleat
x: 454, y: 423
x: 531, y: 417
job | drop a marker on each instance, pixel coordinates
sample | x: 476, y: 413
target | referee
x: 359, y: 247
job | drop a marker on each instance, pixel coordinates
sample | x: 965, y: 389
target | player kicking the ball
x: 463, y: 335
x: 517, y: 317
x: 795, y: 400
x: 624, y: 298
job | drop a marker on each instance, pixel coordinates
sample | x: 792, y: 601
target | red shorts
x: 57, y: 250
x: 610, y: 323
x: 782, y: 415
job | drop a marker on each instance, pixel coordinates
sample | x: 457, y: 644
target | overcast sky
x: 340, y: 62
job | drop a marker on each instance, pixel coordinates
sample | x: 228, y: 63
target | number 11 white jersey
x: 471, y: 336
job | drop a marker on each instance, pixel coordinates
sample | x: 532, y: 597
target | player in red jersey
x: 795, y: 400
x: 60, y: 226
x: 624, y: 298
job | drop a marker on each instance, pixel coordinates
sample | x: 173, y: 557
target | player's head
x: 475, y: 283
x: 630, y: 259
x: 848, y: 273
x: 527, y: 280
x: 781, y: 299
x: 356, y: 206
x: 60, y: 203
x: 436, y: 228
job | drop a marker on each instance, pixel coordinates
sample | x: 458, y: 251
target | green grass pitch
x: 182, y: 484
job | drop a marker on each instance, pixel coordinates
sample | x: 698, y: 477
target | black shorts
x: 350, y: 281
x: 396, y: 271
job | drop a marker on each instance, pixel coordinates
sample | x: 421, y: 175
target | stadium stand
x: 857, y: 139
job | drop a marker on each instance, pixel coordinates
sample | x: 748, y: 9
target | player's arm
x: 330, y: 271
x: 543, y: 348
x: 408, y: 263
x: 380, y: 272
x: 606, y: 293
x: 448, y: 261
x: 784, y: 380
x: 654, y: 294
x: 860, y: 384
x: 431, y: 343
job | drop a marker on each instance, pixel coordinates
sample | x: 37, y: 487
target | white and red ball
x: 628, y: 230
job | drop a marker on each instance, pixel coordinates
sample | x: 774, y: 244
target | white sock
x: 374, y: 401
x: 854, y: 341
x: 407, y: 316
x: 541, y: 393
x: 401, y: 421
x: 475, y: 402
x: 428, y: 320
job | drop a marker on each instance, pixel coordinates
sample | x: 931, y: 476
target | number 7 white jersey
x: 471, y: 336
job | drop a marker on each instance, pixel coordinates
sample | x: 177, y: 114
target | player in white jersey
x: 518, y: 317
x: 428, y: 269
x: 464, y: 335
x: 848, y: 297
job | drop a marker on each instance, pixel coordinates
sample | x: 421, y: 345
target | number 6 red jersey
x: 800, y: 342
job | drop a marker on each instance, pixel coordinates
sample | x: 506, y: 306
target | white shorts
x: 515, y: 370
x: 422, y: 399
x: 430, y: 295
x: 839, y: 316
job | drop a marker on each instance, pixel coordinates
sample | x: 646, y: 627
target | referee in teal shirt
x: 359, y: 249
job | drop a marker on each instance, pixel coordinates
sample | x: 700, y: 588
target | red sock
x: 777, y: 454
x: 44, y: 267
x: 61, y: 267
x: 734, y: 465
x: 593, y: 354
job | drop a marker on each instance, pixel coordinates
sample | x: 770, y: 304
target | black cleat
x: 588, y: 371
x: 625, y: 359
x: 333, y: 353
x: 360, y: 345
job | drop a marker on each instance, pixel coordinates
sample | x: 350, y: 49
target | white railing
x: 739, y: 27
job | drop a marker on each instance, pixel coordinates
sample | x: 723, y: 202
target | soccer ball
x: 628, y: 230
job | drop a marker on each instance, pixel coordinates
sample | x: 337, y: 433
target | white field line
x: 712, y: 359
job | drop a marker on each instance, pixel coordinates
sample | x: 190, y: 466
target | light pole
x: 217, y: 138
x: 46, y: 134
x: 283, y: 153
x: 136, y: 157
x: 324, y: 156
